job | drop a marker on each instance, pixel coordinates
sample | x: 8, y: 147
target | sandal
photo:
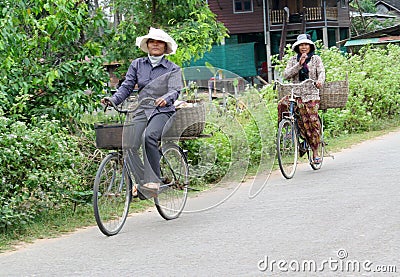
x: 317, y: 160
x: 150, y: 188
x: 134, y: 191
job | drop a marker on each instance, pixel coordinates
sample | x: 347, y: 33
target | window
x: 343, y: 3
x: 242, y: 6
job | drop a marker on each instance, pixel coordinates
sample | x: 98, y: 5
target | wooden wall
x: 239, y: 23
x: 343, y: 15
x: 252, y: 22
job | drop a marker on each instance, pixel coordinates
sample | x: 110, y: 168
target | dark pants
x: 147, y: 134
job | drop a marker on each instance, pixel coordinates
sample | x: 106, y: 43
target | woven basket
x: 283, y: 90
x: 108, y: 135
x: 333, y: 94
x: 188, y: 121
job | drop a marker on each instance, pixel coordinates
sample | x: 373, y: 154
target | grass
x: 50, y: 225
x: 56, y: 224
x: 345, y: 141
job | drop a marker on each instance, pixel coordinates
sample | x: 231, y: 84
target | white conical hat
x: 157, y: 34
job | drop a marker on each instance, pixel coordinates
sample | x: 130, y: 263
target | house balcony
x: 314, y: 17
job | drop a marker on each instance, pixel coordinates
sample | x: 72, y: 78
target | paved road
x: 345, y: 215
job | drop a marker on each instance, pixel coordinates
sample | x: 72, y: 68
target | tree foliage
x: 190, y: 22
x: 52, y: 52
x: 48, y: 63
x: 362, y: 24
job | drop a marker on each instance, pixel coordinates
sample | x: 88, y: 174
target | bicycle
x: 112, y: 190
x: 290, y: 141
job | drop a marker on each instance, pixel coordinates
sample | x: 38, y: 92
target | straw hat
x: 303, y: 38
x: 157, y: 34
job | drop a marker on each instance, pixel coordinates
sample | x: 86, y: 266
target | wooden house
x: 271, y: 24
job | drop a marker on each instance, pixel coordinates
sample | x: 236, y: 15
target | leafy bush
x: 374, y: 80
x: 243, y: 139
x: 42, y: 167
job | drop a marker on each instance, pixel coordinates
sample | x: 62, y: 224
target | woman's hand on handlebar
x: 106, y: 101
x: 318, y: 84
x: 160, y: 102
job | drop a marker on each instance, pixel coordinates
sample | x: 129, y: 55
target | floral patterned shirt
x: 316, y: 73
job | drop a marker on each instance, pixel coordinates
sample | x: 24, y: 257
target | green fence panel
x: 238, y: 58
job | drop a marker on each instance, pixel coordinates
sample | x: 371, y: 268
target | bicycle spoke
x: 287, y: 148
x: 172, y: 196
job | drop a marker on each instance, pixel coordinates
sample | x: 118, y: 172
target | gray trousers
x: 146, y: 134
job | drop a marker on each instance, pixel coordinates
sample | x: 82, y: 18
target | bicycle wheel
x: 172, y: 195
x: 321, y: 150
x: 287, y: 148
x: 111, y: 194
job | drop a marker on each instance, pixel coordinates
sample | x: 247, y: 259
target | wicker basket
x: 283, y: 90
x: 333, y: 94
x: 108, y: 135
x: 188, y: 121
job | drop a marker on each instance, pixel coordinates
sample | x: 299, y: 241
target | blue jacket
x: 163, y: 80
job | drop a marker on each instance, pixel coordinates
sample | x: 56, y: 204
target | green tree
x: 48, y: 63
x: 190, y: 22
x: 52, y: 52
x: 361, y: 24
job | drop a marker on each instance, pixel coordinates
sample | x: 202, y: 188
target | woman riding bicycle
x: 149, y: 123
x: 305, y: 65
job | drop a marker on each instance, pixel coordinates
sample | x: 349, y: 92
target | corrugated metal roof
x: 393, y: 3
x: 365, y: 41
x: 357, y: 14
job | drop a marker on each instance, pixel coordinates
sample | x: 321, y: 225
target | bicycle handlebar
x: 146, y: 101
x: 293, y: 85
x: 302, y: 83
